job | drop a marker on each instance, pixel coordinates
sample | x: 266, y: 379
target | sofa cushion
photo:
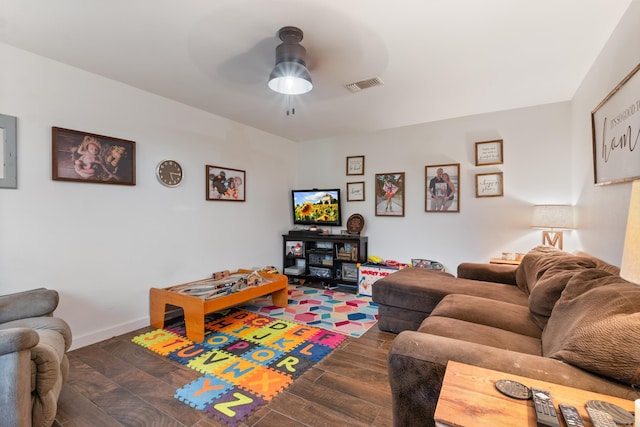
x: 497, y: 314
x: 546, y: 290
x: 600, y: 264
x: 420, y: 289
x: 595, y: 325
x: 542, y: 258
x: 499, y: 273
x: 480, y: 334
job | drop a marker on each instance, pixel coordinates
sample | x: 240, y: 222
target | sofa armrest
x: 417, y: 363
x: 498, y: 273
x: 17, y: 339
x: 33, y: 303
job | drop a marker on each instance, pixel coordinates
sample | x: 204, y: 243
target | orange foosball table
x: 200, y: 298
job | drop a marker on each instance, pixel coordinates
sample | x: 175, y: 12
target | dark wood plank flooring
x: 118, y: 383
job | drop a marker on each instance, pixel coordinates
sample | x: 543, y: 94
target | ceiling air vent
x: 364, y: 84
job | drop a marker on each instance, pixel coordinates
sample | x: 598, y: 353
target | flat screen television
x: 316, y: 207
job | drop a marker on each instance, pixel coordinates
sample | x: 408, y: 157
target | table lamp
x: 630, y: 268
x: 553, y: 219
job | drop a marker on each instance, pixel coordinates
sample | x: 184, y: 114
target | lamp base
x: 555, y: 241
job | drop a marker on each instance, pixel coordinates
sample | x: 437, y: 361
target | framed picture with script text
x: 489, y: 185
x: 615, y: 127
x: 489, y: 153
x: 355, y: 165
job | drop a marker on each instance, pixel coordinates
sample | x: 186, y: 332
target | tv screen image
x: 316, y: 207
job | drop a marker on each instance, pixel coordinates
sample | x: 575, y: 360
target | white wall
x: 548, y: 159
x: 103, y: 246
x: 536, y: 169
x: 603, y: 209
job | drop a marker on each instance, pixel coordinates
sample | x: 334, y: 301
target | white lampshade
x: 553, y: 217
x: 630, y: 268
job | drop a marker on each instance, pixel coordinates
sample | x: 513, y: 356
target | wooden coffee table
x: 196, y: 308
x: 468, y: 398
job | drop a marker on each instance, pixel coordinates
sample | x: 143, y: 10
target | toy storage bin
x: 320, y: 272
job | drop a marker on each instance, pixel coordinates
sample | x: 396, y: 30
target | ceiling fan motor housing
x: 290, y: 49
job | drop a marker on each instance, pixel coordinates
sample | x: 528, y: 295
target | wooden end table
x: 504, y: 261
x: 469, y: 398
x: 196, y: 308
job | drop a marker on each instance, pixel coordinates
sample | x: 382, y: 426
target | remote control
x: 600, y: 418
x: 571, y: 416
x: 546, y: 414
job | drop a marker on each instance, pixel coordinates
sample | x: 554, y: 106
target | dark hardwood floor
x: 118, y: 383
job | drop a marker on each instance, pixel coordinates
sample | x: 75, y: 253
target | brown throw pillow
x: 610, y: 346
x: 540, y: 259
x: 595, y: 325
x: 547, y: 289
x: 602, y: 265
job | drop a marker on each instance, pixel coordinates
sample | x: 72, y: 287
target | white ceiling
x: 438, y: 59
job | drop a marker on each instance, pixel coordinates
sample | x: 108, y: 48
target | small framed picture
x: 87, y: 157
x: 355, y: 191
x: 489, y: 184
x: 489, y: 153
x: 389, y: 194
x: 355, y: 165
x: 349, y: 271
x: 442, y: 188
x: 225, y: 184
x: 8, y: 152
x: 294, y: 249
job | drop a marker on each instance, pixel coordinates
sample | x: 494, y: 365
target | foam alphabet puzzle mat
x: 246, y: 359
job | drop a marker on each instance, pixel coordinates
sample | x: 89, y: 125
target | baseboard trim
x: 107, y: 333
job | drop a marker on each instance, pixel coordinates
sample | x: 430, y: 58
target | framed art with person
x: 389, y: 194
x: 225, y: 184
x: 87, y: 157
x: 442, y: 188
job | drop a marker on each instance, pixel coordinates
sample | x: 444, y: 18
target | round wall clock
x: 169, y: 172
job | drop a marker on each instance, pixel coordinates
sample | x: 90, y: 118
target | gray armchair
x: 33, y: 358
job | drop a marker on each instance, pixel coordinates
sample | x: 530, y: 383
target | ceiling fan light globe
x: 290, y: 85
x: 290, y: 78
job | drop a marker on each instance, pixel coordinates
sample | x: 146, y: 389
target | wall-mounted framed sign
x: 8, y: 152
x: 615, y: 127
x: 489, y: 153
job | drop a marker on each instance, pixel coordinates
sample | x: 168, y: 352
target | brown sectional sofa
x: 560, y: 317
